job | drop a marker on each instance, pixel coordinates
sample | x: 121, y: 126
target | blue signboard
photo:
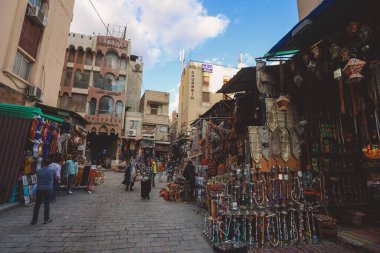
x: 207, y: 68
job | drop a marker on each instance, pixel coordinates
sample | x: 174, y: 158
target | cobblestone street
x: 109, y: 220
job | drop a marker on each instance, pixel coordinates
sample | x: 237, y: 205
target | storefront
x: 297, y: 151
x: 28, y: 136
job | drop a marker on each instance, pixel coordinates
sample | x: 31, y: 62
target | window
x: 106, y: 105
x: 80, y: 56
x: 76, y: 103
x: 206, y: 80
x: 119, y: 109
x: 88, y: 57
x: 163, y: 129
x: 98, y: 59
x: 71, y: 55
x: 92, y: 106
x: 153, y: 109
x: 81, y: 80
x: 21, y: 66
x: 123, y: 64
x: 30, y: 36
x: 134, y: 124
x: 205, y: 97
x: 109, y: 82
x: 67, y: 76
x: 111, y: 60
x: 37, y: 3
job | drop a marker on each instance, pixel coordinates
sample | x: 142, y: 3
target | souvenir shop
x: 28, y: 136
x: 297, y: 152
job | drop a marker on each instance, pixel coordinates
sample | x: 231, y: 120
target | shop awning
x: 61, y: 113
x: 244, y: 80
x: 327, y: 17
x: 24, y: 112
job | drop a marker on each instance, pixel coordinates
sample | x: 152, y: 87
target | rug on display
x: 367, y: 238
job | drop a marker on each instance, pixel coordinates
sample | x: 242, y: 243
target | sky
x: 214, y: 31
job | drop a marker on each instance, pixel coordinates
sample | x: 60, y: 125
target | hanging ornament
x: 271, y: 114
x: 353, y: 28
x: 282, y: 103
x: 353, y: 69
x: 285, y: 145
x: 254, y: 143
x: 298, y: 80
x: 265, y: 140
x: 334, y: 51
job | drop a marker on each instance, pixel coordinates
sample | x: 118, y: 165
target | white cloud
x: 158, y: 29
x: 248, y: 59
x: 215, y: 60
x: 174, y: 99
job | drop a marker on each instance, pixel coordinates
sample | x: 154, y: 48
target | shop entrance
x: 103, y: 148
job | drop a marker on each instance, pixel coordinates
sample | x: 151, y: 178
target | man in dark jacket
x: 189, y: 175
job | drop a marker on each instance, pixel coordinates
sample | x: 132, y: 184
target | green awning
x: 24, y: 112
x: 281, y: 53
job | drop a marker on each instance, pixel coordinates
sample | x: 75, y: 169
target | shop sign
x: 104, y: 123
x: 109, y: 93
x: 112, y: 43
x: 207, y: 68
x: 192, y: 78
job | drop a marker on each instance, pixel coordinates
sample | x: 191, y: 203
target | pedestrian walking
x: 161, y: 169
x: 154, y: 165
x: 45, y: 178
x: 91, y: 178
x: 170, y: 171
x: 127, y: 177
x: 56, y: 165
x: 72, y: 171
x: 133, y: 176
x: 189, y: 175
x: 146, y: 178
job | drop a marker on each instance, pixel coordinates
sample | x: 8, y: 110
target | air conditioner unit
x: 132, y: 132
x: 34, y: 92
x: 38, y: 16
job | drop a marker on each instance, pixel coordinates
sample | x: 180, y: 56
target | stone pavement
x: 109, y: 220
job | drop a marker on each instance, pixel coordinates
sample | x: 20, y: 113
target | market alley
x: 108, y: 220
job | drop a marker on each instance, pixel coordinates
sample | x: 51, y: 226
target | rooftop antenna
x: 182, y: 58
x: 240, y: 61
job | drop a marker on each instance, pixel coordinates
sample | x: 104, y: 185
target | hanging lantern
x: 353, y: 69
x: 353, y: 28
x: 282, y: 103
x: 334, y: 51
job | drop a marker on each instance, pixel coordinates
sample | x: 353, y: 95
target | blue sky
x: 209, y: 30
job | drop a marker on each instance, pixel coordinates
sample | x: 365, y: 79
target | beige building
x: 32, y: 49
x: 154, y: 106
x: 306, y: 6
x: 133, y: 134
x: 173, y: 127
x: 98, y: 73
x: 199, y: 82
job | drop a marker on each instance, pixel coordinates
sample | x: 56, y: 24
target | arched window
x: 81, y: 80
x: 71, y: 54
x: 93, y: 130
x: 106, y: 105
x: 67, y: 77
x: 103, y: 130
x: 111, y: 60
x: 88, y: 57
x: 98, y: 59
x: 80, y: 56
x: 123, y: 64
x: 92, y: 107
x: 119, y: 109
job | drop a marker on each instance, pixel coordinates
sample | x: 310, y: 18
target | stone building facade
x: 154, y: 106
x: 32, y: 49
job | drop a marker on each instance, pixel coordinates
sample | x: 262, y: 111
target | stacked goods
x: 172, y: 192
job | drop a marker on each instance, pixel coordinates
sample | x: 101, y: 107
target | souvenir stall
x: 32, y: 136
x: 335, y: 80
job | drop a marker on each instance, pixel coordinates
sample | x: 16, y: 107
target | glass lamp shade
x: 283, y: 103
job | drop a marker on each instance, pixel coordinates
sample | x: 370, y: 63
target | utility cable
x: 99, y: 15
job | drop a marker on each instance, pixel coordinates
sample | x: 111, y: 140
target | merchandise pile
x: 172, y: 192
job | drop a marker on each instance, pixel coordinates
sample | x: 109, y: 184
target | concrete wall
x: 306, y: 6
x: 135, y: 116
x: 134, y: 82
x: 47, y: 66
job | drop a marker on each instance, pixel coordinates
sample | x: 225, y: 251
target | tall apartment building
x: 96, y: 75
x: 199, y: 82
x: 32, y: 49
x: 154, y: 106
x: 306, y: 6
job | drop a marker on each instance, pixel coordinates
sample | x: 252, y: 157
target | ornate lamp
x: 283, y: 103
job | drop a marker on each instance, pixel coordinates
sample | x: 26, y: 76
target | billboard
x: 207, y: 68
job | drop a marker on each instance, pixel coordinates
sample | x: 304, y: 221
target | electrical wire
x: 93, y: 6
